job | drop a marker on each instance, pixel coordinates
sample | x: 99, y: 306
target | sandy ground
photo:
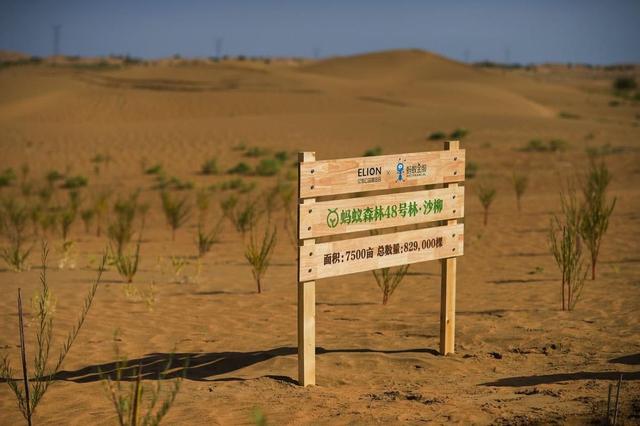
x: 519, y: 359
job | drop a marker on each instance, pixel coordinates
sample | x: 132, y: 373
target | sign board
x: 391, y: 220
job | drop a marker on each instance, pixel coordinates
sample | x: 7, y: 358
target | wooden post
x: 448, y: 286
x: 306, y: 299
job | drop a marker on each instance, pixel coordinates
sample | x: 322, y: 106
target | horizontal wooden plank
x: 380, y: 251
x: 381, y: 211
x: 348, y: 175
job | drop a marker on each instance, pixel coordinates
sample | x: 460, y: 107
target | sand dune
x: 519, y: 359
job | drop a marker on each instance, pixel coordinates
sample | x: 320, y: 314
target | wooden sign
x: 380, y: 251
x: 333, y: 177
x: 382, y: 211
x: 408, y: 207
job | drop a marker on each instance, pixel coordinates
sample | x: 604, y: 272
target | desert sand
x: 519, y: 359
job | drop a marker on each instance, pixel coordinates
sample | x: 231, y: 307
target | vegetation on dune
x: 137, y: 404
x: 210, y: 167
x: 127, y: 264
x: 520, y: 184
x: 596, y: 209
x: 258, y: 253
x: 388, y: 280
x: 177, y: 211
x: 566, y: 247
x: 470, y: 169
x: 14, y: 219
x: 7, y: 177
x: 437, y: 136
x: 75, y: 182
x: 256, y: 152
x: 624, y: 84
x: 372, y: 152
x: 241, y: 168
x: 486, y: 194
x: 268, y: 167
x: 538, y: 145
x: 459, y: 133
x: 120, y: 230
x: 30, y: 390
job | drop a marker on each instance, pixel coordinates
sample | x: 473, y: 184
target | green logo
x: 332, y: 218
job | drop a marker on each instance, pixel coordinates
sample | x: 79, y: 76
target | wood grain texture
x: 306, y: 304
x: 350, y: 175
x: 313, y: 261
x: 335, y: 217
x: 448, y: 286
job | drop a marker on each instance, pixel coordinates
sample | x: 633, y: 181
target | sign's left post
x: 306, y: 294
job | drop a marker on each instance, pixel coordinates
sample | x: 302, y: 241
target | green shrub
x: 566, y: 246
x: 372, y: 152
x: 471, y: 169
x: 176, y: 211
x: 624, y: 84
x: 154, y: 170
x: 486, y: 194
x: 282, y: 156
x: 53, y: 176
x: 520, y: 184
x: 241, y: 168
x: 256, y: 152
x: 14, y: 217
x: 388, y: 280
x: 459, y: 133
x: 436, y: 136
x: 536, y: 145
x: 268, y: 167
x: 7, y: 177
x: 568, y: 115
x: 237, y: 184
x: 210, y: 167
x: 258, y: 254
x: 34, y: 388
x: 596, y: 209
x: 556, y: 145
x: 75, y: 182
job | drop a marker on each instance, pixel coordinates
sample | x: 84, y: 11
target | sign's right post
x: 448, y: 285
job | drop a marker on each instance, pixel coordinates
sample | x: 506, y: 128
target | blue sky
x: 518, y: 31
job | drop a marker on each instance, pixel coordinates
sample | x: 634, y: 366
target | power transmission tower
x: 56, y: 39
x: 219, y: 42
